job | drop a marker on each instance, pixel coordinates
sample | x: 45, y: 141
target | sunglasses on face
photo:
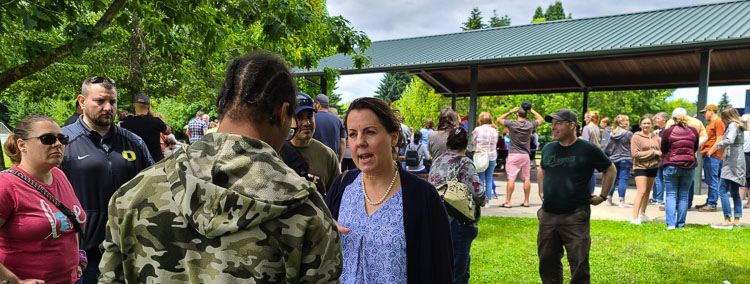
x: 101, y: 79
x: 49, y: 139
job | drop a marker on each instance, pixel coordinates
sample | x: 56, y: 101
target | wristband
x: 603, y: 197
x: 82, y: 259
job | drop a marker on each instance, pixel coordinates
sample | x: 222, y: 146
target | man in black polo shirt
x: 564, y: 187
x: 147, y: 126
x: 99, y: 158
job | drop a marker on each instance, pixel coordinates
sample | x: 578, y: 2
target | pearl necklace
x: 395, y: 174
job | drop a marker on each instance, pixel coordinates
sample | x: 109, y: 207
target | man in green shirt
x: 321, y: 164
x: 564, y: 187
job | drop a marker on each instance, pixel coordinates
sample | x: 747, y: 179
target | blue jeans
x: 658, y: 189
x: 593, y: 182
x: 486, y: 178
x: 462, y: 236
x: 711, y: 173
x: 733, y: 188
x: 677, y: 186
x: 621, y: 181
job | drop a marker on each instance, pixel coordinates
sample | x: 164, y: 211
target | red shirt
x: 37, y: 240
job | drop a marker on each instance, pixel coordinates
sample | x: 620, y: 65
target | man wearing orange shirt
x: 712, y: 164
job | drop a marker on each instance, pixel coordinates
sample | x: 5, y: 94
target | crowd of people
x: 280, y: 189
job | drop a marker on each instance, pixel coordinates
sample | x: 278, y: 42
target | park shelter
x: 668, y: 48
x: 680, y: 47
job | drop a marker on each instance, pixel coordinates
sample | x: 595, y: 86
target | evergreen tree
x: 538, y: 14
x: 724, y: 102
x: 555, y: 12
x: 496, y: 21
x: 392, y: 85
x: 474, y: 22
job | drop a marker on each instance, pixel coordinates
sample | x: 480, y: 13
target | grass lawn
x: 505, y: 252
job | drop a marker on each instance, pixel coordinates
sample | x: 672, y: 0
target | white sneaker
x: 610, y: 203
x: 645, y: 218
x: 486, y: 205
x: 635, y: 221
x: 670, y: 228
x: 625, y: 205
x: 723, y: 226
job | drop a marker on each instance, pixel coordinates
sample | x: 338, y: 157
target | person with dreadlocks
x: 227, y: 209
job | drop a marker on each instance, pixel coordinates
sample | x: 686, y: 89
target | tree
x: 496, y: 21
x: 724, y: 101
x: 538, y: 14
x: 555, y: 12
x: 474, y: 22
x: 392, y: 85
x: 172, y: 47
x: 418, y: 103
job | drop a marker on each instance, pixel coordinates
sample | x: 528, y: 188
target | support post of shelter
x: 585, y: 104
x: 747, y: 104
x: 323, y: 85
x: 702, y: 99
x: 453, y: 102
x: 473, y: 89
x: 2, y: 159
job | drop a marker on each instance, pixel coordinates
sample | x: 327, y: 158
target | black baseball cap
x: 563, y: 114
x: 141, y: 99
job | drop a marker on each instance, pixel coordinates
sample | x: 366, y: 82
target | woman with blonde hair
x: 678, y: 145
x: 646, y: 148
x: 733, y: 168
x: 618, y: 150
x: 591, y: 133
x: 485, y: 139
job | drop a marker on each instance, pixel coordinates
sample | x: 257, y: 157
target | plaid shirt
x: 196, y: 127
x: 485, y: 137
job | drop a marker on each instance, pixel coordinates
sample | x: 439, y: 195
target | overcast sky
x: 392, y: 19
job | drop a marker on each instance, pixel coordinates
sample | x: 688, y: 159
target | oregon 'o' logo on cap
x: 128, y: 155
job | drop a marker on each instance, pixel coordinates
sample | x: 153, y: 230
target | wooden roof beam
x: 432, y: 78
x: 575, y: 73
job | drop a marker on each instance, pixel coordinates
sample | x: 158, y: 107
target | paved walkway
x: 600, y: 212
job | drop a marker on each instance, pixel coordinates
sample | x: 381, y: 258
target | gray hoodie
x: 618, y: 146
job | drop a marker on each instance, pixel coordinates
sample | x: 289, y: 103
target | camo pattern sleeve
x: 223, y: 210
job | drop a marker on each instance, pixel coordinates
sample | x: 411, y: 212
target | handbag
x: 457, y: 196
x: 71, y: 217
x: 481, y: 160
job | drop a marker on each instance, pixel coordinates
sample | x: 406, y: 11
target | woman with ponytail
x: 39, y: 212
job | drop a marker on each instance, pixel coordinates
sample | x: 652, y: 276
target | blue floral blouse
x: 375, y: 249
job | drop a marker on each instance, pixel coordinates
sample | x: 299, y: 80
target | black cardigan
x: 429, y: 250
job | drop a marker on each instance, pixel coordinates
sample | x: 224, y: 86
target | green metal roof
x: 702, y: 26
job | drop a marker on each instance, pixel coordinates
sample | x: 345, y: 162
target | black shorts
x: 647, y: 172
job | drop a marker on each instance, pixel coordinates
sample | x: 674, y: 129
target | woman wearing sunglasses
x: 39, y: 212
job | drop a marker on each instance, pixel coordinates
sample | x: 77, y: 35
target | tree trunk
x: 16, y: 73
x: 136, y: 57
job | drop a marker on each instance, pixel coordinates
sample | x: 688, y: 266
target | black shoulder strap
x: 49, y: 196
x: 293, y: 158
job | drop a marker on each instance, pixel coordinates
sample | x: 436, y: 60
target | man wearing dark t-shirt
x: 564, y: 179
x: 147, y: 126
x: 74, y: 117
x: 329, y: 127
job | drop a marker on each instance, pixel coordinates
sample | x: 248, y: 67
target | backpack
x: 412, y: 156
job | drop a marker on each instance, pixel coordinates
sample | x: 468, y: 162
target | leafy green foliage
x: 418, y: 103
x: 19, y: 107
x: 505, y: 251
x: 167, y: 48
x: 496, y: 21
x: 177, y: 113
x: 311, y: 86
x: 474, y: 22
x: 392, y: 85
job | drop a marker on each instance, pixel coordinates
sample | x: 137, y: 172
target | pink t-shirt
x: 37, y: 240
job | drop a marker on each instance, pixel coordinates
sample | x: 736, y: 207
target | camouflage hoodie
x: 224, y: 210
